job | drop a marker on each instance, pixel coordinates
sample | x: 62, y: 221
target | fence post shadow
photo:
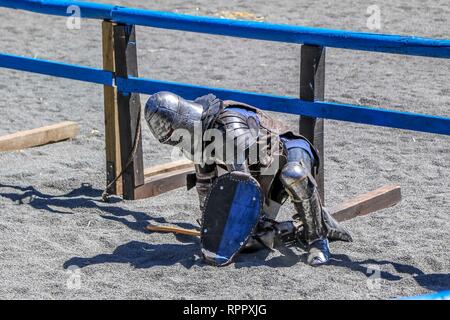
x: 84, y: 196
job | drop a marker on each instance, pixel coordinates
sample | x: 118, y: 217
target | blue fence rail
x: 56, y: 69
x: 243, y: 29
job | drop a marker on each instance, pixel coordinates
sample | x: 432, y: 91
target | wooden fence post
x: 312, y: 87
x: 112, y: 140
x: 129, y: 106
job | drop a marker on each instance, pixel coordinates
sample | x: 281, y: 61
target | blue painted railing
x: 243, y: 29
x: 56, y: 69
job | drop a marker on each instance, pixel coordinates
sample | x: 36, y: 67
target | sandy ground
x: 51, y: 216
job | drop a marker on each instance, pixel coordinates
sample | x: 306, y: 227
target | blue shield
x: 232, y: 211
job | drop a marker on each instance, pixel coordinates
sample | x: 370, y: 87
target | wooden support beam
x: 163, y: 182
x: 168, y: 167
x: 372, y: 201
x: 381, y: 198
x: 39, y: 136
x: 312, y: 88
x: 112, y: 138
x: 129, y: 106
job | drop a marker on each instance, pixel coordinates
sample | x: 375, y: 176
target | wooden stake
x: 129, y: 106
x: 112, y: 138
x: 312, y: 88
x: 39, y: 136
x: 173, y: 229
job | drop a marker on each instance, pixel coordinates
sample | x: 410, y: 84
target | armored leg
x: 301, y: 187
x: 205, y: 176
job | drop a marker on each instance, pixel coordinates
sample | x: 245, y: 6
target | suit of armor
x: 284, y: 163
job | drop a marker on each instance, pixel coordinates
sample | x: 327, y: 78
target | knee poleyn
x: 295, y: 179
x: 292, y: 173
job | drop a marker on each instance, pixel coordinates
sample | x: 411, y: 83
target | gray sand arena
x: 52, y: 216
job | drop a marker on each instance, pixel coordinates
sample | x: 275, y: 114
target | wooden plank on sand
x: 39, y: 136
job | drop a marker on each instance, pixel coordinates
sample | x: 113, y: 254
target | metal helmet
x: 166, y: 112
